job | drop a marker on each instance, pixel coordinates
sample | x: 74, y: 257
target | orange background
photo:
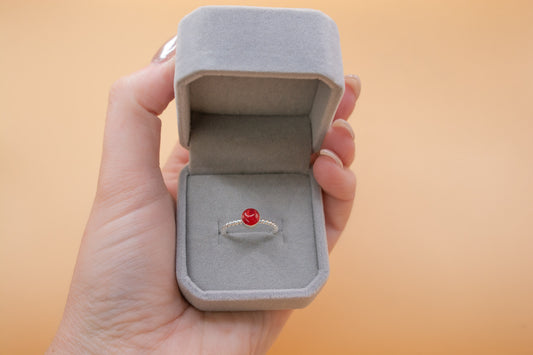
x: 437, y: 257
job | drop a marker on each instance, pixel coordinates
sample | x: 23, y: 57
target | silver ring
x: 250, y: 218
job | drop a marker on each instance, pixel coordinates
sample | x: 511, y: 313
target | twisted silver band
x: 224, y: 228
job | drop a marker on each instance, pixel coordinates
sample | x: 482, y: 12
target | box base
x: 250, y: 268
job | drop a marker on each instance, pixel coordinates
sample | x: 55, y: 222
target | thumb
x: 133, y: 130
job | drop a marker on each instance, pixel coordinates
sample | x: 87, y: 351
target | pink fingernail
x: 166, y: 51
x: 354, y: 82
x: 345, y: 125
x: 330, y: 154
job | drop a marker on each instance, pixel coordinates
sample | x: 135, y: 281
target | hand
x: 124, y: 296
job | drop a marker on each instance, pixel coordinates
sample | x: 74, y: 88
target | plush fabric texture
x: 220, y: 50
x: 250, y: 269
x: 218, y: 94
x: 249, y: 144
x: 250, y: 259
x: 256, y: 90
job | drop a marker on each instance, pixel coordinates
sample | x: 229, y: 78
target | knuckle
x: 117, y: 89
x: 351, y: 184
x: 343, y: 186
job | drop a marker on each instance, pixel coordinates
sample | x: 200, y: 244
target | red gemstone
x: 250, y: 217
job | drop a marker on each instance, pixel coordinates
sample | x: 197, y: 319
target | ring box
x: 256, y: 90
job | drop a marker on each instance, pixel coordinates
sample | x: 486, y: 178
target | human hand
x: 124, y: 296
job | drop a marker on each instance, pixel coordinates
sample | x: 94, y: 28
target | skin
x: 124, y: 297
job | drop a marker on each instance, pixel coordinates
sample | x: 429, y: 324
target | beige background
x: 437, y: 257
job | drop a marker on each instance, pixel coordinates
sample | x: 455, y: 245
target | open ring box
x: 256, y: 90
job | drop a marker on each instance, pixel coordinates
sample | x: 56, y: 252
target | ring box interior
x: 256, y: 90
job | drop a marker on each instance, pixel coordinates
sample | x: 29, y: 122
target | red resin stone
x: 250, y: 217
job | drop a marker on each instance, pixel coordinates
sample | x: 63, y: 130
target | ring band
x: 250, y: 218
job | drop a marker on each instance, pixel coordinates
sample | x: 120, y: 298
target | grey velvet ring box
x: 256, y: 90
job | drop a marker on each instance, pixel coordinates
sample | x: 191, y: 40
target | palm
x: 152, y: 314
x: 185, y: 327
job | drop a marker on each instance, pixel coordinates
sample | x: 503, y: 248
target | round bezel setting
x: 250, y: 217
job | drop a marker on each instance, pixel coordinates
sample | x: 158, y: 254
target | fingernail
x: 354, y: 82
x: 328, y: 153
x: 345, y: 125
x: 166, y: 51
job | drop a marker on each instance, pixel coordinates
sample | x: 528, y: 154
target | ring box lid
x: 282, y: 67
